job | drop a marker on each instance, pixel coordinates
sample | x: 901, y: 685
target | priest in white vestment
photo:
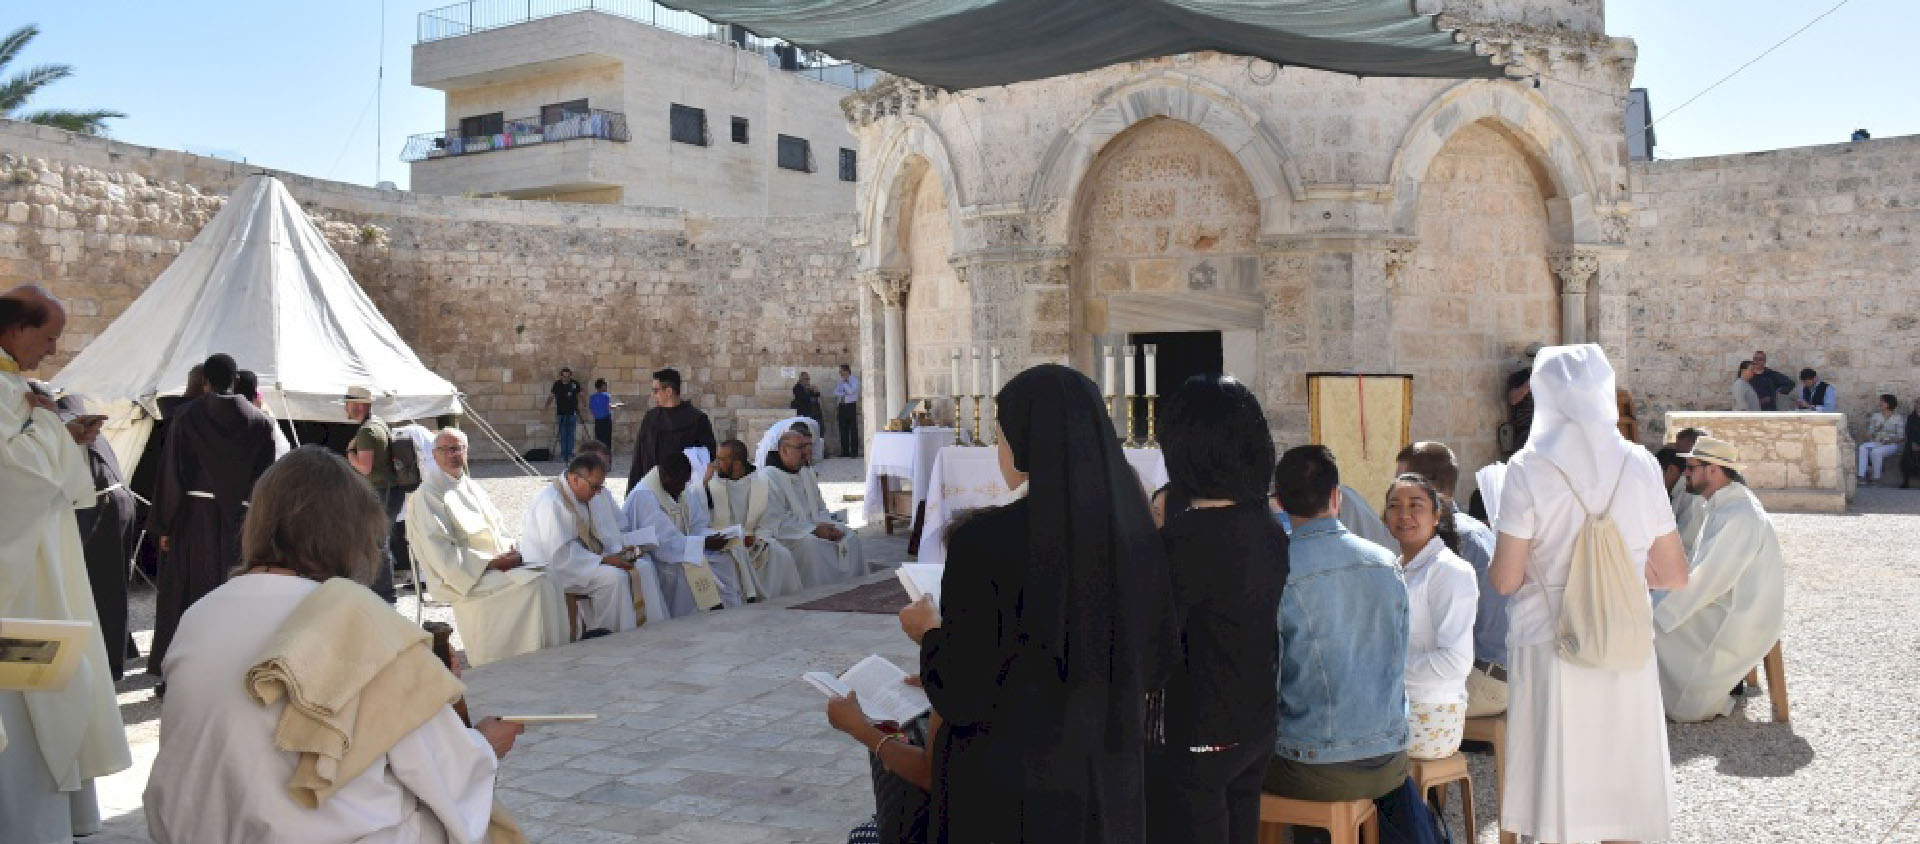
x: 52, y: 744
x: 675, y: 510
x: 501, y: 607
x: 770, y: 441
x: 740, y: 499
x: 1710, y: 633
x: 580, y: 548
x: 825, y: 550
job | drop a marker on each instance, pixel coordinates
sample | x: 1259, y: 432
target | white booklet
x: 881, y: 686
x: 40, y: 655
x: 921, y: 579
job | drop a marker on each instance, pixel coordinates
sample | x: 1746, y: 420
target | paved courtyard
x: 706, y: 734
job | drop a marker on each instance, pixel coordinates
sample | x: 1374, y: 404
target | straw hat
x: 1718, y: 452
x: 359, y: 394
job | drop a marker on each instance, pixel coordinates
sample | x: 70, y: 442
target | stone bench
x: 1796, y: 460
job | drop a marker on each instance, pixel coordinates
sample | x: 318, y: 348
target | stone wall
x: 493, y: 294
x: 1810, y: 254
x: 1795, y: 461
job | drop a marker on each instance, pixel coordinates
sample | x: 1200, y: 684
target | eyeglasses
x: 450, y: 449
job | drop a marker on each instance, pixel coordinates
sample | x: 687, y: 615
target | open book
x: 881, y: 686
x: 921, y: 579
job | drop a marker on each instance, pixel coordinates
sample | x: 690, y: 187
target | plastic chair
x: 1346, y: 821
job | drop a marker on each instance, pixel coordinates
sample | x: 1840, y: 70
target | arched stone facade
x: 1478, y: 289
x: 939, y: 314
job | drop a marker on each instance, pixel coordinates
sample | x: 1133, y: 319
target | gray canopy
x: 958, y: 44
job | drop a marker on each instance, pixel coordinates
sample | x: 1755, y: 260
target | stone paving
x: 706, y: 735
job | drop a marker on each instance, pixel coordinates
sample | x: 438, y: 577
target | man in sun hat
x: 371, y: 453
x: 1711, y: 632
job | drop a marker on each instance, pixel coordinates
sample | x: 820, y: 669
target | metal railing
x: 525, y: 131
x: 481, y: 15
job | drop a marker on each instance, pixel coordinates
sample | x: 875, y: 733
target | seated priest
x: 676, y: 511
x: 770, y: 441
x: 501, y: 607
x: 638, y: 540
x: 825, y: 550
x: 1711, y: 632
x: 740, y: 498
x: 582, y: 549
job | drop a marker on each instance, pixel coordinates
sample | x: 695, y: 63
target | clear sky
x: 291, y: 85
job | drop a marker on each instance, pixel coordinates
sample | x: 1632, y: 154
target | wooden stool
x: 1776, y: 667
x: 1492, y: 729
x: 573, y: 617
x: 1431, y: 777
x: 1345, y: 820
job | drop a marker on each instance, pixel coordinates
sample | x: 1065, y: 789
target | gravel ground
x: 1844, y: 769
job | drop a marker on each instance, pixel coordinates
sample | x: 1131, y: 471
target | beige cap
x: 1718, y: 452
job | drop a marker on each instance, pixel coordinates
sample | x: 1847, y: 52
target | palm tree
x: 17, y: 89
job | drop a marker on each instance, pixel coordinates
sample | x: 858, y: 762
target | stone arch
x: 908, y: 154
x: 938, y: 307
x: 1214, y: 110
x: 1530, y: 121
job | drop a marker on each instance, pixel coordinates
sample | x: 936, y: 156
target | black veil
x: 1095, y: 597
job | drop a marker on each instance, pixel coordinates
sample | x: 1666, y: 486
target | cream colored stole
x: 700, y: 579
x: 583, y: 528
x: 750, y: 563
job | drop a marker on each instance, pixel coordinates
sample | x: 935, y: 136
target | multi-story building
x: 624, y: 102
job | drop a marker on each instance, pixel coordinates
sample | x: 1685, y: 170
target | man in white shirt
x: 501, y: 607
x: 741, y: 498
x: 847, y: 395
x: 1711, y: 632
x: 797, y: 516
x: 53, y: 743
x: 667, y: 503
x: 582, y: 549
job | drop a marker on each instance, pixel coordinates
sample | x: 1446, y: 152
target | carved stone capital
x: 888, y: 284
x: 961, y: 268
x: 1574, y: 267
x: 1399, y: 254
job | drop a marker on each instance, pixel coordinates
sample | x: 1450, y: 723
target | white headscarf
x: 1575, y: 417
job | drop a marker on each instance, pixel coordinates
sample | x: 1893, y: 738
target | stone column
x: 891, y: 286
x: 1575, y: 269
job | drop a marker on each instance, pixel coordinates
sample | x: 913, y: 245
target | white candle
x: 995, y: 383
x: 1106, y: 370
x: 976, y: 372
x: 1127, y: 368
x: 956, y: 372
x: 1152, y: 380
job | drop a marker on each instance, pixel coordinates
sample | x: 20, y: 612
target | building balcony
x: 526, y: 158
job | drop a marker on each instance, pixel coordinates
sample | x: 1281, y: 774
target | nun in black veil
x: 1053, y: 624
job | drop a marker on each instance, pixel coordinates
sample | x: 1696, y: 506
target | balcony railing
x: 526, y: 131
x: 481, y: 15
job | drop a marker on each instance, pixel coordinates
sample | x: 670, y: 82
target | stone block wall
x: 1795, y: 461
x: 495, y: 295
x: 1810, y: 254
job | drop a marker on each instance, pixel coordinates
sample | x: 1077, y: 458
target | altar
x: 907, y: 455
x: 968, y: 477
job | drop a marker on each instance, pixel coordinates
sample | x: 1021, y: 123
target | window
x: 849, y: 166
x: 481, y: 125
x: 689, y: 124
x: 551, y: 114
x: 795, y: 154
x: 739, y: 130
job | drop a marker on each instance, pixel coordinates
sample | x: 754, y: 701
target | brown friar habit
x: 667, y: 430
x: 109, y: 530
x: 216, y: 447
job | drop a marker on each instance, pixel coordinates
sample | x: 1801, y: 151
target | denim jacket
x: 1343, y: 648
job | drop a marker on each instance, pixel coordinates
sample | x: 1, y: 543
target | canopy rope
x: 498, y: 441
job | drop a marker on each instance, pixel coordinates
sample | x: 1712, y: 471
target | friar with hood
x: 217, y: 446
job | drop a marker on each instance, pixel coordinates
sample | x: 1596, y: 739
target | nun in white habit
x: 1586, y: 756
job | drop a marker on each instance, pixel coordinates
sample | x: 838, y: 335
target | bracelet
x: 884, y: 738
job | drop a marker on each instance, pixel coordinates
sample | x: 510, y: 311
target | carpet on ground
x: 884, y: 597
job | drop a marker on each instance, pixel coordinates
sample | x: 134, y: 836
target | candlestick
x: 1130, y: 441
x: 1106, y: 374
x: 1127, y: 369
x: 956, y: 386
x: 976, y: 376
x: 1152, y: 377
x: 993, y: 386
x: 976, y: 419
x: 993, y: 420
x: 1152, y: 441
x: 1110, y: 398
x: 958, y: 425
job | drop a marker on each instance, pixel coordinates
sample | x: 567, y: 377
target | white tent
x: 261, y: 284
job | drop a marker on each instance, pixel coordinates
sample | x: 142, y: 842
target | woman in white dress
x: 1586, y: 756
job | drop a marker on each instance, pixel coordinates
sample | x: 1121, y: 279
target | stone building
x: 1279, y: 220
x: 640, y: 106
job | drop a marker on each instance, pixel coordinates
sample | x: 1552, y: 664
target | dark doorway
x: 1179, y: 355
